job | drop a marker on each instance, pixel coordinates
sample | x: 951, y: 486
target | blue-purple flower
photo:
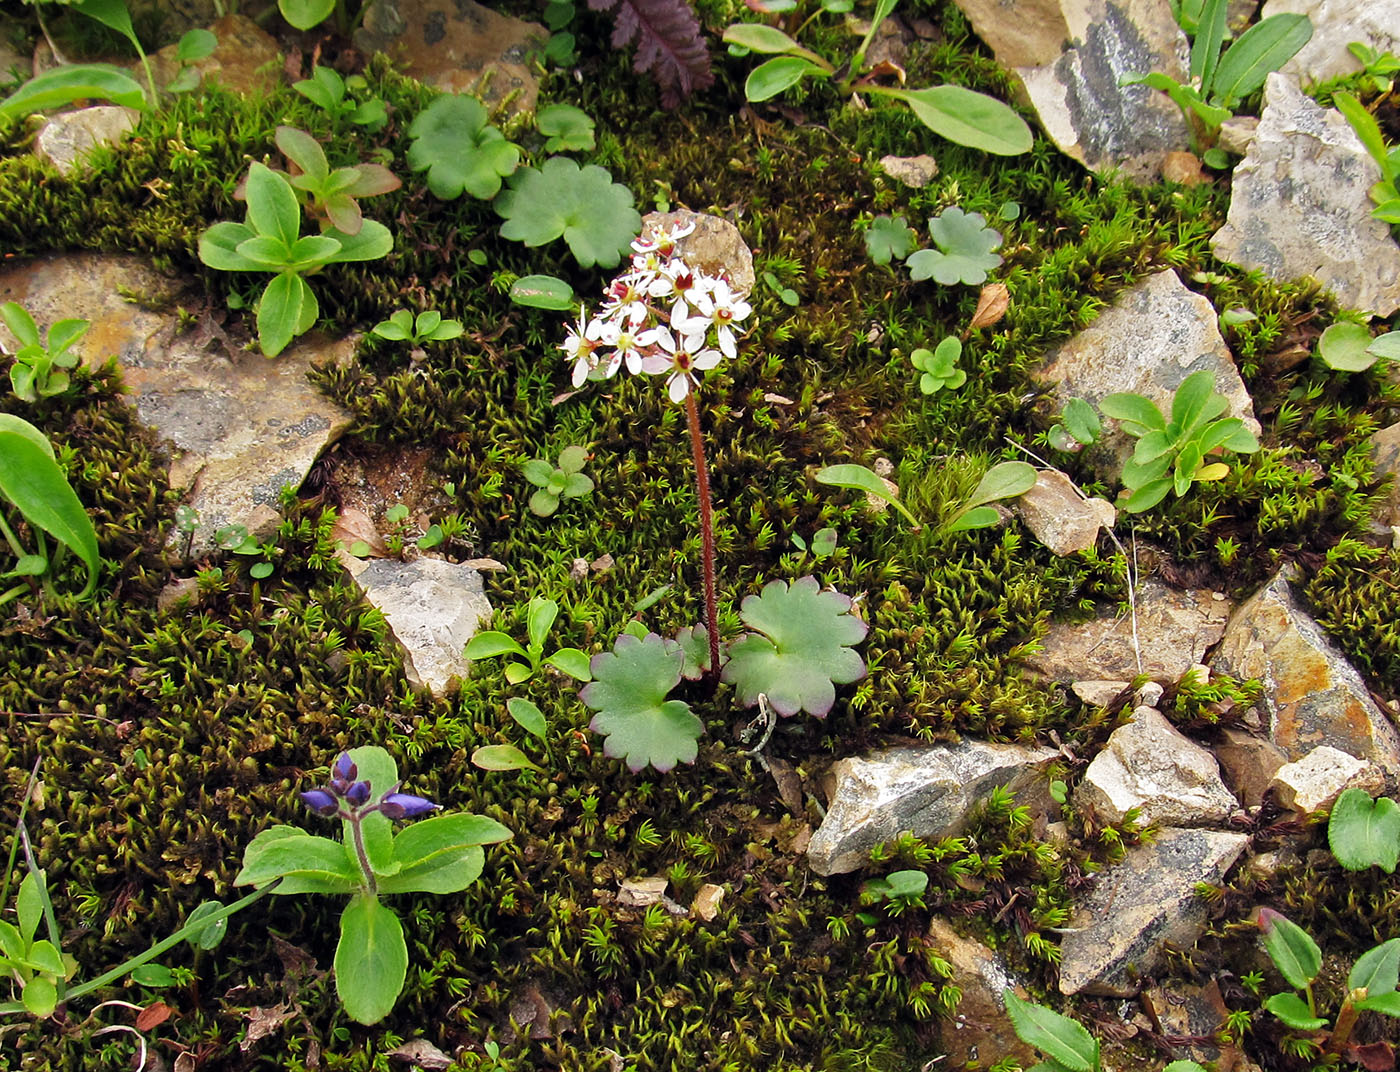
x: 347, y: 789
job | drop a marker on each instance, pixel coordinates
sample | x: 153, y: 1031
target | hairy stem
x: 365, y: 867
x: 707, y: 532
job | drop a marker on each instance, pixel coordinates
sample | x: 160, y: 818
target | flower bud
x: 321, y: 801
x: 345, y: 768
x: 405, y: 805
x: 358, y: 793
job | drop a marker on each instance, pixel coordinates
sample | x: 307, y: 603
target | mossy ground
x: 167, y: 739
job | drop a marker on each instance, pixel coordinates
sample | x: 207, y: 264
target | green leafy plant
x: 629, y: 691
x: 330, y: 195
x: 428, y: 326
x: 1067, y: 1046
x: 34, y: 485
x: 542, y: 292
x: 39, y: 369
x: 1348, y: 347
x: 1005, y: 480
x: 459, y: 149
x: 555, y: 483
x: 901, y: 890
x: 438, y: 855
x: 506, y: 757
x: 960, y: 115
x: 799, y: 650
x: 193, y: 45
x: 1078, y: 427
x: 1370, y: 984
x: 332, y: 94
x: 889, y: 238
x: 539, y: 617
x: 964, y: 254
x: 593, y: 214
x: 1171, y: 455
x: 1364, y: 833
x: 1377, y: 68
x: 1219, y: 82
x: 566, y: 128
x: 37, y: 965
x: 270, y: 240
x: 823, y: 543
x: 939, y: 366
x: 71, y: 83
x: 861, y: 478
x: 1386, y: 192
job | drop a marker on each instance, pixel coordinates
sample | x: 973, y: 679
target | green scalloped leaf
x: 629, y: 689
x: 593, y: 214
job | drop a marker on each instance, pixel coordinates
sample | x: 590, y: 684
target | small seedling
x: 539, y: 617
x: 964, y: 254
x: 428, y: 326
x: 939, y: 366
x: 901, y: 889
x: 1348, y: 347
x: 1364, y: 833
x: 1079, y: 426
x: 39, y: 364
x: 823, y: 543
x: 555, y: 483
x: 328, y: 91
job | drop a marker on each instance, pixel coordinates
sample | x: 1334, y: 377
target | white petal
x: 678, y: 387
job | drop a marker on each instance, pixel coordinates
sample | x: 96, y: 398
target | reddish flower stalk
x: 707, y: 533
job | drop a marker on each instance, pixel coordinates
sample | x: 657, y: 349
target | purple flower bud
x: 321, y: 801
x: 405, y: 805
x: 345, y: 768
x: 358, y: 793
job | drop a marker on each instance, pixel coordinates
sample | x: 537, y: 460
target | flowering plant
x: 439, y: 855
x: 663, y: 317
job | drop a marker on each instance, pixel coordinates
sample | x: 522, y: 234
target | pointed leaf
x: 218, y: 248
x: 73, y: 82
x: 1210, y: 36
x: 307, y: 863
x: 966, y: 117
x: 29, y: 905
x: 491, y: 643
x: 1291, y: 948
x: 859, y: 478
x: 444, y: 872
x: 527, y: 715
x: 539, y: 617
x: 1376, y: 970
x: 756, y: 37
x: 1139, y: 415
x: 1388, y: 1003
x: 372, y: 241
x: 1058, y: 1037
x: 502, y: 757
x: 774, y: 76
x: 1006, y: 480
x: 572, y: 662
x: 304, y: 151
x: 273, y: 211
x: 1263, y: 48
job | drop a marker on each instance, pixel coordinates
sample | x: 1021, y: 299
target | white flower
x: 627, y: 298
x: 627, y: 343
x: 679, y: 362
x: 663, y: 239
x: 579, y: 345
x: 724, y: 308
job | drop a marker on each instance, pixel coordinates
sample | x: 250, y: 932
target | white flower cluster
x: 661, y: 317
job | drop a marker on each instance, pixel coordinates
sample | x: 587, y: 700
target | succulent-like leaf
x: 964, y: 253
x: 629, y: 689
x: 460, y: 151
x: 593, y: 214
x: 800, y: 650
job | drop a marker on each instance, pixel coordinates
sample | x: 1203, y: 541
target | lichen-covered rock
x: 1299, y: 205
x: 433, y: 607
x: 1147, y: 764
x: 1336, y: 24
x: 1313, y: 783
x: 1081, y: 100
x: 916, y: 171
x: 1174, y: 629
x: 1148, y: 341
x: 1312, y: 695
x: 715, y: 246
x: 1116, y: 934
x: 979, y: 1030
x: 1061, y: 518
x: 66, y: 139
x: 926, y: 790
x: 457, y: 46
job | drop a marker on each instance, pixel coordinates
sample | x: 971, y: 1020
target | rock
x: 14, y: 68
x: 640, y: 892
x: 245, y: 59
x: 925, y: 790
x: 1021, y: 33
x: 1299, y: 205
x: 457, y: 46
x: 1174, y: 629
x: 244, y: 427
x: 1116, y: 934
x: 1060, y: 517
x: 1147, y: 764
x: 1248, y: 762
x: 1153, y: 336
x: 979, y: 1030
x: 706, y: 903
x: 65, y: 139
x: 1184, y: 1011
x: 1313, y: 783
x: 1385, y: 447
x: 1148, y: 694
x: 715, y: 246
x: 421, y: 1054
x: 1098, y: 693
x: 1183, y: 168
x: 1237, y: 133
x: 916, y: 171
x: 1336, y: 24
x: 1084, y: 107
x: 1312, y: 695
x: 433, y: 607
x: 182, y: 591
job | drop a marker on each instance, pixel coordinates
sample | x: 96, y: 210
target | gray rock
x: 1336, y: 24
x: 1060, y: 517
x: 715, y: 246
x: 1153, y: 336
x: 1173, y: 630
x: 1089, y: 114
x: 926, y: 790
x: 1313, y: 783
x: 433, y: 607
x: 1237, y: 133
x: 1147, y: 764
x: 1248, y: 762
x: 1299, y: 205
x: 1117, y: 933
x: 182, y: 591
x: 979, y: 1030
x: 1385, y: 446
x: 457, y: 46
x: 1312, y: 695
x: 66, y: 139
x: 243, y: 427
x: 916, y: 171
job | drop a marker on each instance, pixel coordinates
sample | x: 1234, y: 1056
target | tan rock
x: 1313, y: 783
x: 916, y: 171
x: 1184, y: 168
x: 1248, y: 762
x: 640, y: 892
x: 1060, y: 517
x: 715, y: 246
x: 979, y: 1030
x: 66, y: 139
x: 1385, y: 447
x: 706, y: 903
x: 245, y: 59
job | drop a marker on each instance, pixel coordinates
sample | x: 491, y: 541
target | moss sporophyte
x: 665, y: 318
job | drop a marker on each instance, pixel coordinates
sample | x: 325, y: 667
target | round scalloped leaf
x: 453, y: 142
x: 964, y: 253
x: 628, y: 690
x: 593, y: 214
x: 803, y: 652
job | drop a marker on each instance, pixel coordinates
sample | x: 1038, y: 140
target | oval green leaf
x: 502, y: 757
x: 528, y: 715
x: 966, y: 117
x: 542, y: 292
x: 371, y: 960
x: 774, y: 76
